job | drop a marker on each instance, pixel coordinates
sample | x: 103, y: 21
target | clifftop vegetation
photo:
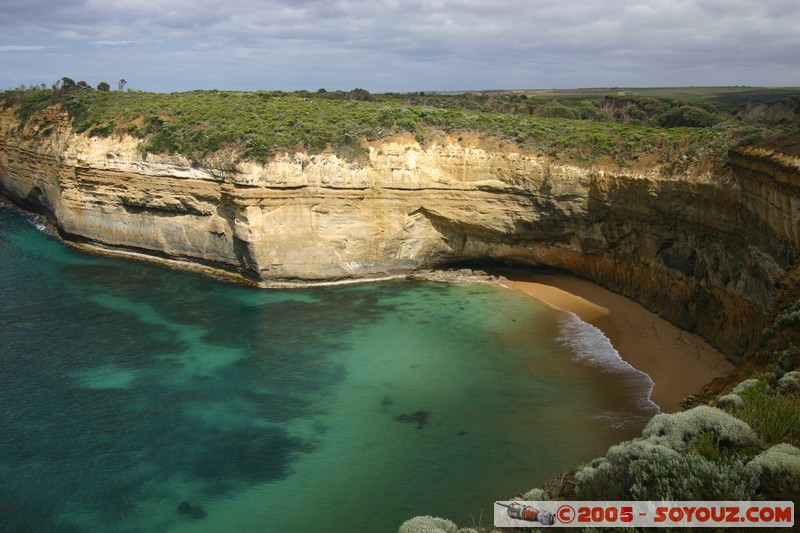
x: 580, y: 126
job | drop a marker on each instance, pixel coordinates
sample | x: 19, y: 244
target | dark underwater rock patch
x: 386, y: 402
x: 191, y: 510
x: 420, y: 418
x: 250, y: 456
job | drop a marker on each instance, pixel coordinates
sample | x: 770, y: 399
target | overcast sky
x: 400, y: 45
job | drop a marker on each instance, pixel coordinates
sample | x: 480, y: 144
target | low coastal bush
x: 257, y: 126
x: 645, y: 470
x: 680, y: 430
x: 689, y: 477
x: 778, y: 472
x: 789, y: 382
x: 428, y: 524
x: 703, y: 453
x: 780, y: 342
x: 534, y: 495
x: 744, y: 385
x: 689, y: 115
x: 730, y: 401
x: 773, y: 414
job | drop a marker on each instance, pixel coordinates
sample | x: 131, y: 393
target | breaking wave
x: 590, y: 345
x: 36, y: 220
x: 39, y: 223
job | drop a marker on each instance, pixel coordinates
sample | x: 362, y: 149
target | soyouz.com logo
x: 643, y: 514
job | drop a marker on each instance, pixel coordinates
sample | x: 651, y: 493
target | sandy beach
x: 679, y: 362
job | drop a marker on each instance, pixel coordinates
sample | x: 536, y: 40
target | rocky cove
x: 703, y: 248
x: 712, y: 249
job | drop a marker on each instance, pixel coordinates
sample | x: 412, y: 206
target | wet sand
x: 679, y: 362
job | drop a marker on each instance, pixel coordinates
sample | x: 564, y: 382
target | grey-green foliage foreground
x: 741, y: 451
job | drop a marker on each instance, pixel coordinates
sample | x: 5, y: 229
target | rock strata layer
x: 704, y: 251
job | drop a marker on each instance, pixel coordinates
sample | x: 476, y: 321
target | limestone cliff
x: 704, y: 251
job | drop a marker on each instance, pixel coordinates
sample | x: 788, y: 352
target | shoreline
x: 680, y: 363
x: 641, y: 337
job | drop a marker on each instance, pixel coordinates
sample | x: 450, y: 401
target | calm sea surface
x: 138, y: 398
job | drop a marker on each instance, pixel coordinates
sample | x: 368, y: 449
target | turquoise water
x: 138, y: 398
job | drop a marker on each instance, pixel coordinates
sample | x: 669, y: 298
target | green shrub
x: 775, y: 417
x: 31, y: 102
x: 83, y: 126
x: 560, y: 111
x: 588, y: 111
x: 103, y: 131
x: 789, y: 318
x: 689, y: 116
x: 707, y: 446
x: 349, y: 148
x: 257, y: 149
x: 779, y: 342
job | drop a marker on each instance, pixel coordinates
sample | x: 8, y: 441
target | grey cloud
x: 408, y: 45
x: 111, y: 43
x: 20, y: 48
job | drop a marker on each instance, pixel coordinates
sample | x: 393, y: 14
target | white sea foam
x: 38, y: 223
x: 590, y: 345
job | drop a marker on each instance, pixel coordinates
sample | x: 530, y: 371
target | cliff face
x: 705, y: 253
